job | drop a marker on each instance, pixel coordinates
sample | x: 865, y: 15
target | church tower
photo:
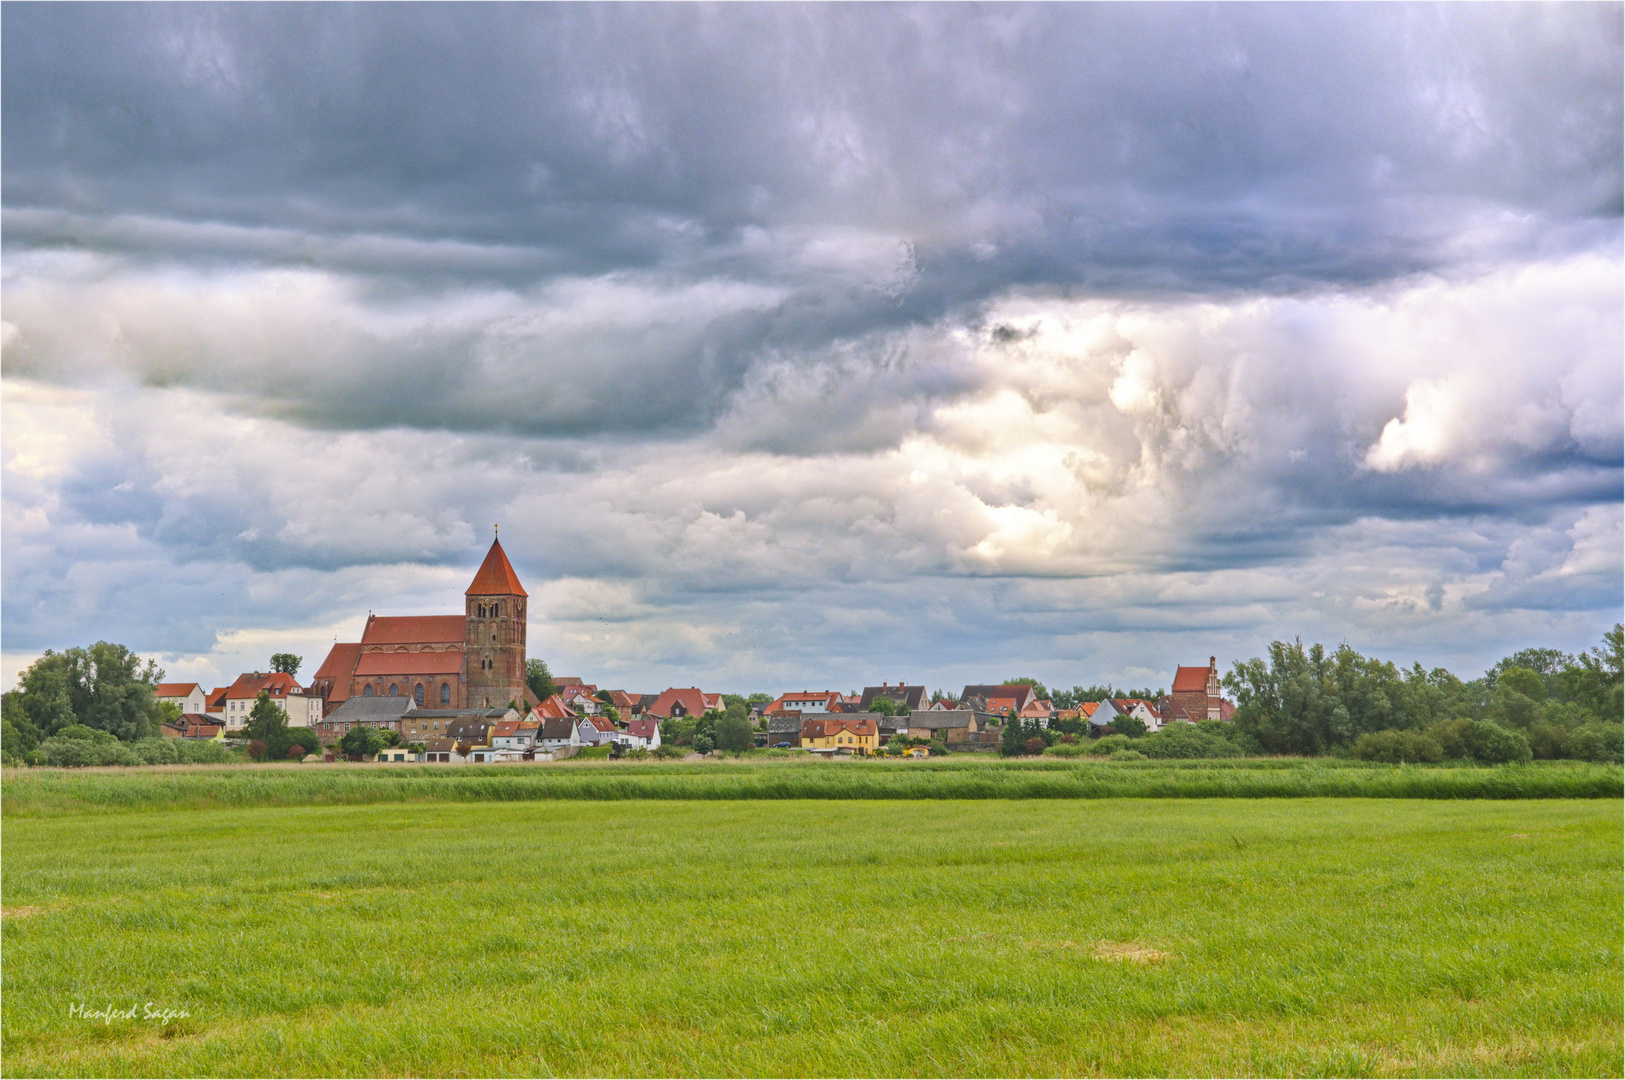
x: 494, y: 641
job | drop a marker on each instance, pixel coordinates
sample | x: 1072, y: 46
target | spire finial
x: 494, y: 530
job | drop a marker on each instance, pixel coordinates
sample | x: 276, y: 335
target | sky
x: 803, y: 347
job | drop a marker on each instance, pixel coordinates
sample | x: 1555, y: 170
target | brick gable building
x: 1196, y: 694
x: 475, y: 660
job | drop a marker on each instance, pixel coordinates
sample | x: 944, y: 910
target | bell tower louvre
x: 494, y: 638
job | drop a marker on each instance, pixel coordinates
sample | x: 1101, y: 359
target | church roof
x: 414, y: 630
x: 1190, y: 678
x: 496, y: 576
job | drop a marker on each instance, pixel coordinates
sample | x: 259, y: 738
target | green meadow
x: 835, y: 936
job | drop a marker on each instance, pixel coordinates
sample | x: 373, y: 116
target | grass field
x: 36, y: 792
x: 1005, y: 937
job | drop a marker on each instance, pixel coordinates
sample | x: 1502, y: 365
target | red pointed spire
x: 496, y: 576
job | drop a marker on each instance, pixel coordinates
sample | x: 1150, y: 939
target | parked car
x: 781, y: 746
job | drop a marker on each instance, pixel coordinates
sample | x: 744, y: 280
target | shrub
x: 1108, y: 744
x: 1128, y: 725
x: 78, y: 752
x: 1069, y: 750
x: 1036, y: 745
x: 1491, y: 744
x: 1126, y: 755
x: 1595, y: 742
x: 1398, y: 746
x: 938, y: 747
x: 1186, y: 741
x: 704, y: 744
x: 666, y: 750
x: 88, y: 734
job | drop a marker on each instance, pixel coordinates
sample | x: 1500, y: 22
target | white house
x: 303, y: 708
x: 188, y: 695
x: 595, y: 731
x: 640, y: 735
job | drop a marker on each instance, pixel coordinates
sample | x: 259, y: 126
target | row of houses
x: 580, y: 714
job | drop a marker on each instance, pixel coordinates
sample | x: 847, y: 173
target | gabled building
x: 383, y: 713
x: 840, y: 734
x: 640, y: 734
x: 475, y: 660
x: 997, y: 700
x: 302, y: 708
x: 806, y: 701
x: 683, y: 701
x: 595, y: 730
x: 1196, y: 694
x: 188, y: 695
x: 912, y: 697
x: 784, y: 729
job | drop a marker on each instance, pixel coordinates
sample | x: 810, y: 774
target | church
x: 475, y: 660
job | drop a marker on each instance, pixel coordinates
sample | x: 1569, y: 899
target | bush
x: 1108, y: 744
x: 1595, y: 742
x: 75, y: 751
x: 1398, y: 746
x: 938, y: 748
x: 704, y: 744
x: 1128, y: 725
x: 1036, y: 745
x: 666, y: 750
x: 1186, y: 741
x: 1126, y: 755
x: 1069, y: 750
x: 161, y: 751
x: 1491, y: 744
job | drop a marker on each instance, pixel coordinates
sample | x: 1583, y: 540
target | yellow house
x: 857, y: 735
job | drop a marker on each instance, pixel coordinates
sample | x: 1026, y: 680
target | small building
x: 836, y: 733
x: 595, y: 731
x: 384, y: 713
x: 910, y: 697
x: 188, y: 695
x: 683, y: 701
x: 556, y: 732
x: 396, y: 753
x: 805, y: 701
x: 442, y: 750
x: 302, y: 707
x: 641, y: 735
x: 784, y: 729
x: 952, y: 726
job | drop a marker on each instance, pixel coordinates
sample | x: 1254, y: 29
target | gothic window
x: 394, y: 691
x: 417, y: 696
x: 445, y: 693
x: 366, y: 691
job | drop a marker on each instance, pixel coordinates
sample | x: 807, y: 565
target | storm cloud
x: 786, y: 341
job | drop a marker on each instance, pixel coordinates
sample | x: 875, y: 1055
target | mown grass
x: 813, y: 938
x: 54, y: 791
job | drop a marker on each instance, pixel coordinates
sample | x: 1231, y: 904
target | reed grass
x: 44, y: 792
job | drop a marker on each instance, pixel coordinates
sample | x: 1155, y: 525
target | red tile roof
x: 175, y: 689
x: 496, y: 576
x: 694, y: 700
x: 1088, y: 707
x: 249, y: 684
x: 414, y: 630
x: 553, y: 708
x: 340, y: 662
x: 440, y: 662
x: 643, y: 729
x: 821, y: 729
x: 1191, y: 678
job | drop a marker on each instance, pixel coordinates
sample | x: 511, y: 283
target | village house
x: 443, y: 750
x: 197, y: 726
x: 910, y: 697
x: 384, y: 713
x: 837, y: 734
x: 955, y: 727
x: 640, y: 735
x: 595, y: 730
x: 215, y: 703
x: 683, y: 701
x: 556, y: 732
x: 806, y: 701
x: 188, y: 695
x: 302, y: 708
x: 784, y: 729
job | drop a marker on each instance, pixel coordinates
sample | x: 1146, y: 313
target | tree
x: 105, y: 686
x: 166, y: 712
x: 363, y: 740
x: 286, y: 662
x: 539, y: 679
x: 1012, y: 740
x: 1036, y: 745
x: 1131, y: 726
x: 704, y: 744
x: 733, y: 732
x: 884, y: 706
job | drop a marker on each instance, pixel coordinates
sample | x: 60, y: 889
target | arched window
x: 366, y: 691
x: 394, y: 691
x: 417, y: 696
x: 445, y: 693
